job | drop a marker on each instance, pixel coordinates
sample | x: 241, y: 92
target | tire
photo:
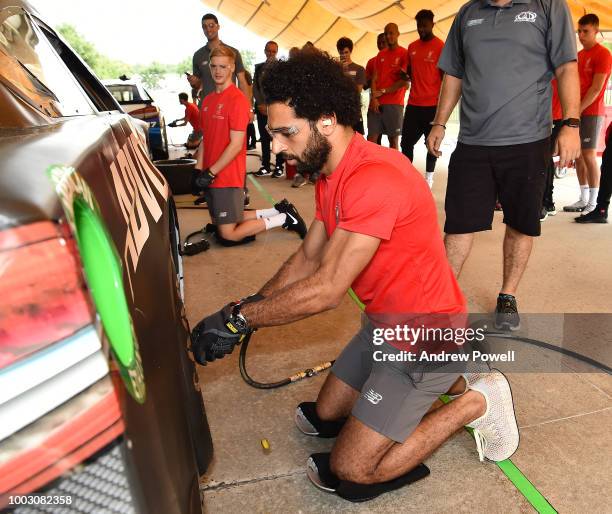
x: 175, y: 248
x: 178, y: 174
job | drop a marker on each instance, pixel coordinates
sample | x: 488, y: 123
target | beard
x: 315, y: 154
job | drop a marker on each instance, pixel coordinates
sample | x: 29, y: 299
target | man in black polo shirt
x: 201, y: 79
x: 500, y: 57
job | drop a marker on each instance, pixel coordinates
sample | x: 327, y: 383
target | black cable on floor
x: 311, y: 372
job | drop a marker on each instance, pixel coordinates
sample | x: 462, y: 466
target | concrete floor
x: 565, y: 418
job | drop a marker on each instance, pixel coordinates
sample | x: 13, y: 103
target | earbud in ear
x: 326, y: 122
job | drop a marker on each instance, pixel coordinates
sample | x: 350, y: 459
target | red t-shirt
x: 192, y: 113
x: 389, y: 64
x: 426, y: 79
x: 590, y: 62
x: 369, y: 69
x: 377, y: 192
x: 557, y: 112
x: 220, y: 113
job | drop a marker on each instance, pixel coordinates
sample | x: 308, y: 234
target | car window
x: 90, y: 84
x: 32, y: 67
x: 125, y: 93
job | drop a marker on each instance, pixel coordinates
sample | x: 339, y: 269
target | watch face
x: 238, y: 321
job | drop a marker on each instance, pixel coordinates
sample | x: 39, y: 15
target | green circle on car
x: 104, y: 277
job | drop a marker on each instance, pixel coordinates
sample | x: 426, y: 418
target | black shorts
x: 514, y: 174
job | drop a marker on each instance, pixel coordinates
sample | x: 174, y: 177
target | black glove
x: 203, y: 179
x: 215, y: 336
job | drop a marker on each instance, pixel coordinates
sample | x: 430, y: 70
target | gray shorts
x: 394, y: 395
x: 225, y: 204
x: 590, y: 127
x: 388, y: 121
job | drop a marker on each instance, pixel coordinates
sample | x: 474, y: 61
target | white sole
x: 303, y: 424
x: 313, y: 475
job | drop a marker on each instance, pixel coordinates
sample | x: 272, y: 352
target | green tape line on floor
x: 508, y: 468
x: 259, y: 188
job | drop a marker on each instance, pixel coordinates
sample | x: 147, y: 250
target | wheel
x: 175, y: 247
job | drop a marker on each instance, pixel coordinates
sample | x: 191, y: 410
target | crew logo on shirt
x: 219, y: 115
x: 526, y: 16
x: 429, y: 57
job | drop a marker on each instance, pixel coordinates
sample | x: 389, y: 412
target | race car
x: 137, y: 102
x: 93, y: 334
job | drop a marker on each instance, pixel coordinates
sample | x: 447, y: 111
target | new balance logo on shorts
x: 372, y: 396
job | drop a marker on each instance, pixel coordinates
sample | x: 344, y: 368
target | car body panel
x: 108, y: 164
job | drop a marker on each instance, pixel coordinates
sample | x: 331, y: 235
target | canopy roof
x: 293, y: 22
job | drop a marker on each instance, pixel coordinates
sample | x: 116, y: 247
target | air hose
x: 307, y: 373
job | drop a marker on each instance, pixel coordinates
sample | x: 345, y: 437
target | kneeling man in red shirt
x: 221, y: 165
x: 376, y: 232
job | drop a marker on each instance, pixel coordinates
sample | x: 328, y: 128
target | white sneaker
x: 576, y: 206
x: 429, y: 178
x: 496, y: 432
x: 590, y: 207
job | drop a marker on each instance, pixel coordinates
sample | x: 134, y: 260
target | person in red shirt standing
x: 221, y: 165
x: 192, y: 116
x: 386, y: 110
x: 594, y: 64
x: 381, y: 44
x: 376, y: 231
x: 426, y: 80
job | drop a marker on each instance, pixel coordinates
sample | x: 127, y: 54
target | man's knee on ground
x: 347, y: 467
x: 228, y: 232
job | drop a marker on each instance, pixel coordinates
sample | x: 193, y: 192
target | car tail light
x: 147, y: 113
x: 43, y: 298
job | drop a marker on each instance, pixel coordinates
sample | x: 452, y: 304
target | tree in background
x: 102, y: 66
x: 152, y: 74
x: 248, y: 59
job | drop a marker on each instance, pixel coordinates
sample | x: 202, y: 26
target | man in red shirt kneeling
x: 192, y: 116
x: 376, y: 232
x: 221, y: 166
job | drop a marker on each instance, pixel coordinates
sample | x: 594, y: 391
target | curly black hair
x: 314, y: 85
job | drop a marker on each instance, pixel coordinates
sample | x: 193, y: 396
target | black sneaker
x: 263, y: 172
x: 596, y: 216
x: 506, y: 313
x: 543, y: 214
x: 551, y: 209
x: 278, y: 172
x: 294, y: 221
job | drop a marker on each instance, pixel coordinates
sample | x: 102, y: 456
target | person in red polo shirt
x: 375, y: 230
x: 381, y: 44
x: 222, y: 163
x: 192, y: 116
x: 386, y: 110
x: 594, y: 64
x: 425, y: 83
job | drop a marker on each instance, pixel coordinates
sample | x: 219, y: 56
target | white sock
x: 275, y: 221
x: 429, y: 175
x: 593, y: 192
x: 584, y: 193
x: 266, y: 213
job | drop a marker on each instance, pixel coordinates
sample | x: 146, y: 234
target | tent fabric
x: 293, y: 22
